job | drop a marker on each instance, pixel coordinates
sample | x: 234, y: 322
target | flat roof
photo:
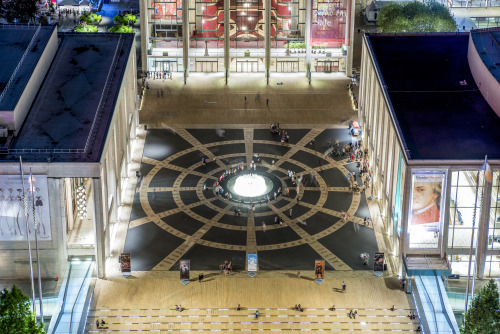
x: 14, y: 42
x: 69, y: 118
x: 440, y: 113
x: 487, y: 42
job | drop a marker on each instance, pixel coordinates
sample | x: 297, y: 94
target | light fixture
x: 81, y: 201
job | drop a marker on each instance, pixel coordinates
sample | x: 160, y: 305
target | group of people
x: 100, y: 324
x: 226, y: 267
x: 298, y: 308
x: 275, y: 128
x: 353, y: 313
x: 159, y: 75
x: 178, y: 308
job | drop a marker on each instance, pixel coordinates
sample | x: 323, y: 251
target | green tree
x: 15, y: 313
x: 416, y: 17
x: 126, y: 19
x: 85, y: 28
x: 20, y: 11
x: 484, y: 314
x: 121, y: 29
x: 90, y: 18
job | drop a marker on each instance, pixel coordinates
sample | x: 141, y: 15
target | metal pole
x: 25, y: 200
x: 36, y: 248
x: 471, y: 244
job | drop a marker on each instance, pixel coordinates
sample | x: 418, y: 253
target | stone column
x: 267, y: 36
x: 144, y: 34
x: 350, y: 30
x: 100, y: 238
x: 482, y: 236
x: 446, y: 223
x: 227, y: 44
x: 308, y: 39
x: 185, y: 38
x: 403, y: 239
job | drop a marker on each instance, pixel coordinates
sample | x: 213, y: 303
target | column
x: 482, y: 237
x: 308, y: 39
x: 144, y: 34
x: 267, y: 34
x: 99, y: 229
x: 350, y: 31
x: 185, y: 38
x: 227, y: 44
x: 446, y: 223
x: 69, y: 203
x: 403, y: 240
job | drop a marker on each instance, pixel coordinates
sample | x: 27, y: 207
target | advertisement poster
x: 125, y: 262
x: 12, y: 214
x: 184, y: 266
x: 319, y: 269
x: 252, y: 262
x: 378, y: 262
x: 425, y: 210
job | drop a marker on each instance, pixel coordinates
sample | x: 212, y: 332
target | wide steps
x: 228, y: 320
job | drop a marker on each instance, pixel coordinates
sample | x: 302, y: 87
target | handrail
x: 64, y: 298
x: 445, y: 312
x: 76, y: 299
x: 430, y: 301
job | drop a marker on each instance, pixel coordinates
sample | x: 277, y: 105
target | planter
x: 328, y: 53
x: 247, y: 53
x: 165, y: 53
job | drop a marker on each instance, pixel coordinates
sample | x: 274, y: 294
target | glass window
x: 494, y: 223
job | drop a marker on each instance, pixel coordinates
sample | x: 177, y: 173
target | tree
x: 21, y: 11
x: 84, y: 27
x: 15, y: 313
x: 126, y: 19
x: 484, y: 315
x: 90, y: 18
x: 416, y: 17
x: 121, y: 29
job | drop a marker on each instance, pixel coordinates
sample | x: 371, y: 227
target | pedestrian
x: 274, y: 195
x: 245, y: 99
x: 97, y: 323
x: 238, y: 308
x: 267, y: 102
x: 298, y: 274
x: 256, y: 314
x: 333, y: 307
x: 102, y: 323
x: 364, y: 222
x: 393, y: 308
x: 344, y: 286
x: 298, y: 200
x: 264, y: 227
x: 290, y: 212
x: 200, y: 277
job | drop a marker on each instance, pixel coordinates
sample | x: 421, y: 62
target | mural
x: 12, y: 214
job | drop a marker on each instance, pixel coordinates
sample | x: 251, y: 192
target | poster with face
x: 12, y: 210
x: 425, y: 213
x: 184, y: 267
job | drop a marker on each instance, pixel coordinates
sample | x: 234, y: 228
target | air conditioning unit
x: 4, y: 131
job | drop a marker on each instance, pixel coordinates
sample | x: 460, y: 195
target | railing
x: 445, y: 312
x: 430, y: 302
x: 30, y: 45
x: 61, y: 311
x: 76, y: 299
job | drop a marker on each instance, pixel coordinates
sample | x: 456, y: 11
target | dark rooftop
x: 70, y: 116
x: 438, y: 117
x: 487, y: 42
x: 14, y: 42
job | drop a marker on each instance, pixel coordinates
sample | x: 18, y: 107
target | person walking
x: 238, y: 308
x: 344, y: 286
x: 200, y: 277
x: 267, y: 102
x: 257, y: 314
x: 290, y: 212
x: 97, y: 323
x: 245, y: 99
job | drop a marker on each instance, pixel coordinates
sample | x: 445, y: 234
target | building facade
x: 247, y: 36
x: 428, y: 122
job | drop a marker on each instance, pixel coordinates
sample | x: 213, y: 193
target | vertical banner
x: 125, y: 262
x: 378, y: 262
x: 184, y: 266
x: 252, y: 262
x: 319, y: 269
x: 425, y: 211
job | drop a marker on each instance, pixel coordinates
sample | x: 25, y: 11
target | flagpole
x: 25, y: 200
x: 36, y: 247
x: 471, y: 244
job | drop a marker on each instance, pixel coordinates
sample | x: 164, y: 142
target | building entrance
x: 287, y: 66
x: 327, y: 66
x: 207, y: 66
x: 165, y: 66
x: 247, y: 66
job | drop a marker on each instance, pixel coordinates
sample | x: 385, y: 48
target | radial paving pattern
x: 174, y: 218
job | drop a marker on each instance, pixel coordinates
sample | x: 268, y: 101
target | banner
x: 425, y: 210
x: 125, y: 262
x: 12, y: 215
x: 319, y: 269
x: 184, y: 266
x: 378, y: 262
x: 252, y: 262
